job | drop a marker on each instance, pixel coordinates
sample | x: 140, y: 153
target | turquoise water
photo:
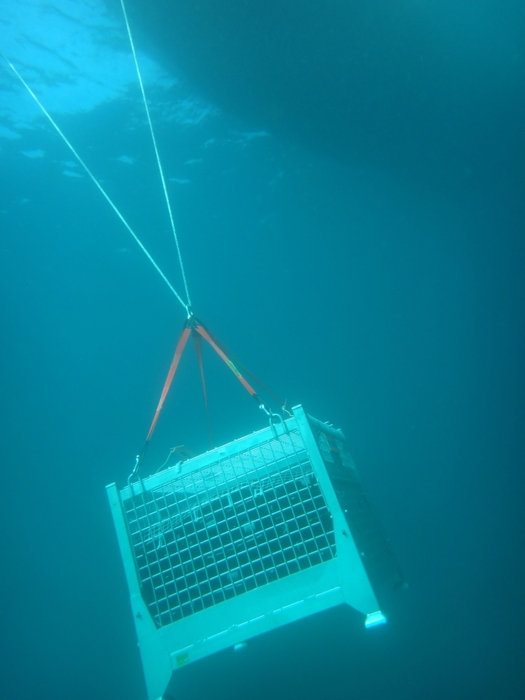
x: 347, y: 182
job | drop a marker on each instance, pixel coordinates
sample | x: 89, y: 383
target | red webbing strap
x: 197, y: 342
x: 222, y: 353
x: 198, y: 330
x: 256, y: 379
x: 173, y: 368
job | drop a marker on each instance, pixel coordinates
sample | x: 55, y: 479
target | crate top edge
x: 229, y: 449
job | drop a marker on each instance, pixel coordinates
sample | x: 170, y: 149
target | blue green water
x: 348, y: 187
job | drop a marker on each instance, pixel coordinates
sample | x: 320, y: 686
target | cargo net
x: 226, y: 529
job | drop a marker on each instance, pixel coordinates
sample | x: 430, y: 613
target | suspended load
x: 256, y: 534
x: 248, y: 537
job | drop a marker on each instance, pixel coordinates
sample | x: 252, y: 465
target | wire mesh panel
x: 232, y: 526
x: 368, y: 535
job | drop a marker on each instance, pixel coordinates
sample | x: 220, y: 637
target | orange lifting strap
x: 195, y: 327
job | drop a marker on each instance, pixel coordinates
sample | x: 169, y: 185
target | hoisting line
x: 193, y: 325
x: 94, y: 179
x: 157, y: 155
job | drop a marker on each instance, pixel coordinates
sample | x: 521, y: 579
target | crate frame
x: 258, y: 533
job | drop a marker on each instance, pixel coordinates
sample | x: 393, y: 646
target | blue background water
x: 359, y: 245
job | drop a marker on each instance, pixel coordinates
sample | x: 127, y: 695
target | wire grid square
x: 221, y: 531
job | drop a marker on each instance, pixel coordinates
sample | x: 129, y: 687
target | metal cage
x: 261, y: 532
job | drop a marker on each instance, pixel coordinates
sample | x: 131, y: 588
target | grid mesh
x: 367, y: 533
x: 238, y: 524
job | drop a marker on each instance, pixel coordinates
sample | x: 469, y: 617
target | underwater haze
x: 348, y: 188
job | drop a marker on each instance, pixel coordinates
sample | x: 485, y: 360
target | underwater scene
x: 337, y: 224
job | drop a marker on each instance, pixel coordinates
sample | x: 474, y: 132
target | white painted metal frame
x: 289, y: 549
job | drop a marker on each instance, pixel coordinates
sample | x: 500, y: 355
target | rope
x: 163, y: 180
x: 93, y: 178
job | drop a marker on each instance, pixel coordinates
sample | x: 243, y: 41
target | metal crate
x: 258, y: 533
